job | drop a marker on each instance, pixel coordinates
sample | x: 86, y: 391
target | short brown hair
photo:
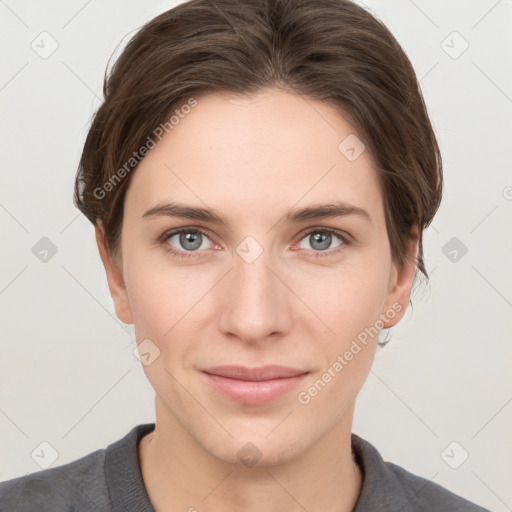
x: 327, y: 50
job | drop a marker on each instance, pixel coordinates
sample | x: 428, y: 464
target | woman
x: 259, y: 177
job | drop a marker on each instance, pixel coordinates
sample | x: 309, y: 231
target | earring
x: 387, y: 339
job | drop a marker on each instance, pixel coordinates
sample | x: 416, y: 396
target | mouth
x: 254, y: 386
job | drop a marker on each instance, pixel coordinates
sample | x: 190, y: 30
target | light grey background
x: 68, y: 375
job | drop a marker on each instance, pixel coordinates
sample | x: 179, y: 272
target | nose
x: 255, y: 302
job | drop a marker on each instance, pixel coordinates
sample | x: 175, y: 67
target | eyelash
x: 191, y: 254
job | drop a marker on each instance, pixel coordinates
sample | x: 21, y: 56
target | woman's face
x: 268, y: 286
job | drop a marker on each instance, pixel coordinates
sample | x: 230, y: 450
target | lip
x: 254, y: 386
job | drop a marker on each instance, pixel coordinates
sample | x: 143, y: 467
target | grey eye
x: 188, y: 240
x: 321, y: 240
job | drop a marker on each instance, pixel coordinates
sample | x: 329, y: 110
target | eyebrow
x: 321, y: 211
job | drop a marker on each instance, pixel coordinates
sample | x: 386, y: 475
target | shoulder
x: 389, y: 487
x: 424, y: 494
x: 105, y: 480
x: 78, y: 485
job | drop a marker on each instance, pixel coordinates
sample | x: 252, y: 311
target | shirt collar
x: 127, y: 490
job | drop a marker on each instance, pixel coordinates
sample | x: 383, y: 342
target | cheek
x: 347, y: 299
x: 337, y: 302
x: 164, y: 298
x: 349, y: 305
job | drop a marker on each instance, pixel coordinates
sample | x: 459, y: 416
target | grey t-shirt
x: 109, y: 480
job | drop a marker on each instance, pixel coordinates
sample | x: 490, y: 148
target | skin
x: 252, y: 159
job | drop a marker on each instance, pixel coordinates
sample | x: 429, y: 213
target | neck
x: 180, y: 475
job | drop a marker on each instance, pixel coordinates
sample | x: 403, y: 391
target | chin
x: 258, y: 450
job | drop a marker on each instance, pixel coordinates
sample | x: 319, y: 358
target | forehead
x: 262, y: 153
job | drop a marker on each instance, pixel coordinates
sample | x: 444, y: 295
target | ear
x: 114, y: 277
x: 400, y: 283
